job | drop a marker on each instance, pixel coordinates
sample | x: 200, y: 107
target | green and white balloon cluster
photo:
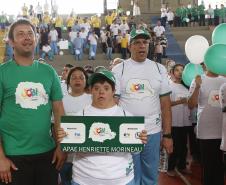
x: 197, y: 50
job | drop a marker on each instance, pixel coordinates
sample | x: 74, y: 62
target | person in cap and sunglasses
x: 142, y: 88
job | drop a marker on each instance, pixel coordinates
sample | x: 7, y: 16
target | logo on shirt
x: 139, y: 89
x: 100, y: 132
x: 214, y: 98
x: 30, y: 95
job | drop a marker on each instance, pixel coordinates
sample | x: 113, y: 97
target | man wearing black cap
x: 142, y: 88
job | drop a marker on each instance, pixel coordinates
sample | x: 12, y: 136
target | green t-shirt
x: 184, y: 12
x: 26, y: 96
x: 194, y: 11
x: 178, y: 12
x: 222, y: 13
x: 201, y: 9
x: 216, y: 12
x: 189, y: 11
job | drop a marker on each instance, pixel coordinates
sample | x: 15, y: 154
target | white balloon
x: 195, y: 48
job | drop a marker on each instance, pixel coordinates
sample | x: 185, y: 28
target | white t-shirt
x: 38, y: 9
x: 181, y: 112
x: 72, y: 35
x: 170, y: 16
x: 83, y: 35
x: 93, y: 39
x: 114, y: 28
x: 163, y: 12
x: 124, y: 28
x: 53, y: 35
x: 139, y: 88
x: 103, y: 168
x: 222, y: 97
x: 159, y: 30
x: 209, y: 115
x: 72, y: 105
x: 86, y: 26
x: 46, y: 49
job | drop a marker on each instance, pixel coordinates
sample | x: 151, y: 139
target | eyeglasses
x: 138, y: 43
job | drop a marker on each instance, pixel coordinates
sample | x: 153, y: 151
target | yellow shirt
x: 108, y: 20
x: 80, y: 21
x: 96, y: 22
x: 114, y: 15
x: 124, y: 42
x: 70, y: 22
x: 35, y: 21
x: 124, y: 18
x: 46, y: 19
x: 58, y: 22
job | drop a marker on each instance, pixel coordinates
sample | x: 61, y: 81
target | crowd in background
x: 86, y: 35
x: 193, y: 15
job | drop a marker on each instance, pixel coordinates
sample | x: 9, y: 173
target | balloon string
x: 196, y: 69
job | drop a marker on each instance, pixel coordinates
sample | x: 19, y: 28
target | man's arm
x: 193, y: 99
x: 166, y: 123
x: 58, y: 111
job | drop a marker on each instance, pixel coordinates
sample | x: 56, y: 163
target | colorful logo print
x: 137, y: 87
x: 99, y: 131
x: 216, y: 97
x: 27, y: 93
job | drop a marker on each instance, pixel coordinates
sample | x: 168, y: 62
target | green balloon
x: 219, y: 34
x: 190, y: 72
x: 215, y: 59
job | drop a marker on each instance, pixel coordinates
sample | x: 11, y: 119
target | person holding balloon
x: 204, y: 92
x: 222, y: 97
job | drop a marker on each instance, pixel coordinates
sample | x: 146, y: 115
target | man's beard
x: 26, y: 53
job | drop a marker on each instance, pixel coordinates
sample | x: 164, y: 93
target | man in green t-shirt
x: 178, y: 17
x: 29, y: 93
x: 216, y: 16
x: 194, y: 15
x: 201, y: 12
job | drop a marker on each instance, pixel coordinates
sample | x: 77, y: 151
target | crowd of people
x: 85, y: 36
x: 133, y: 85
x: 193, y: 15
